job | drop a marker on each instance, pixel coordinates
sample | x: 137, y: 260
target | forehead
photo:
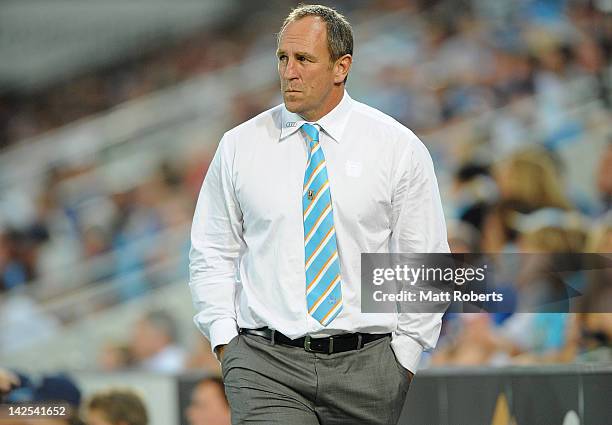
x: 305, y: 34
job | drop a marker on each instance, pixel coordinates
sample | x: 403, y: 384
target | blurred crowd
x: 509, y: 189
x: 154, y: 345
x: 111, y: 406
x: 77, y: 217
x: 23, y: 116
x: 516, y: 195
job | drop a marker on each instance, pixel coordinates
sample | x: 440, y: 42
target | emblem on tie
x: 310, y: 194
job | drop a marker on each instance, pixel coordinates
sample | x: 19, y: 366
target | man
x: 208, y: 403
x: 154, y: 343
x: 116, y: 407
x: 291, y: 200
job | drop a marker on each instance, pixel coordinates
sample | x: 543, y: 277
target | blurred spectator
x: 527, y: 181
x: 595, y: 323
x: 208, y: 403
x: 473, y: 190
x: 554, y: 237
x: 598, y: 296
x: 201, y: 356
x: 541, y: 337
x: 600, y: 237
x: 116, y: 407
x: 463, y: 238
x: 18, y: 256
x: 595, y: 337
x: 531, y: 179
x: 115, y: 357
x: 470, y: 341
x: 8, y: 381
x: 524, y: 338
x: 154, y: 343
x: 498, y: 228
x: 24, y: 321
x: 551, y: 230
x: 604, y: 178
x: 535, y: 337
x: 55, y: 390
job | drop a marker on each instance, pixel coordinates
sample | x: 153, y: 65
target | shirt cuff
x: 222, y: 331
x: 407, y: 351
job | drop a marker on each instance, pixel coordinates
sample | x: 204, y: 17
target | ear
x: 342, y: 67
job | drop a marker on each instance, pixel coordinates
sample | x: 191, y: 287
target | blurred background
x: 110, y: 113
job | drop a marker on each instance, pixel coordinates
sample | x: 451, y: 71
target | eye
x: 302, y: 58
x: 282, y: 57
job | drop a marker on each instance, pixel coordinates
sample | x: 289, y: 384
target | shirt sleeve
x: 216, y: 244
x: 418, y: 226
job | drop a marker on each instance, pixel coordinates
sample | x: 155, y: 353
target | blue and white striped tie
x: 323, y: 282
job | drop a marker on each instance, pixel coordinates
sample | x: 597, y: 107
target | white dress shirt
x: 247, y: 254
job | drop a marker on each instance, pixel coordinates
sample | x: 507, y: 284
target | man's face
x: 306, y: 72
x: 208, y: 406
x: 146, y: 340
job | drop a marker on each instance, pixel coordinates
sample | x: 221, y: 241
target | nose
x: 289, y: 70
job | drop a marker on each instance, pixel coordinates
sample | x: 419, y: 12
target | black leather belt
x: 327, y: 345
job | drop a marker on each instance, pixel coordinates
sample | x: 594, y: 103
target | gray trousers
x: 278, y: 384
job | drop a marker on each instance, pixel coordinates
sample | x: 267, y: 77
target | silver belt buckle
x: 307, y: 344
x: 308, y: 348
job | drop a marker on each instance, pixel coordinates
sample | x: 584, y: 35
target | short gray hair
x: 163, y: 321
x: 339, y: 31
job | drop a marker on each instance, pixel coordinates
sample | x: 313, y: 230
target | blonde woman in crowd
x: 528, y: 181
x: 531, y: 178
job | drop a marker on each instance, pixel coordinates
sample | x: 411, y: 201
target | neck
x: 333, y: 100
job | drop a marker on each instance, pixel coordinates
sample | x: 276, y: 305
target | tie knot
x: 311, y: 131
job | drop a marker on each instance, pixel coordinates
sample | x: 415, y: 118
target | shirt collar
x: 333, y: 123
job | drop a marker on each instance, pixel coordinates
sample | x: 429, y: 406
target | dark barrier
x: 551, y: 395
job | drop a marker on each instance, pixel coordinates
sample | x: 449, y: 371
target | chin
x: 293, y: 106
